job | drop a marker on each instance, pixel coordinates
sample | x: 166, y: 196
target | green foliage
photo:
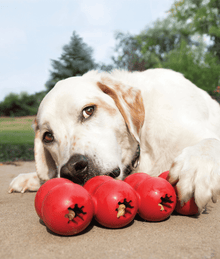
x: 75, y: 60
x: 170, y: 43
x: 128, y: 53
x: 104, y: 67
x: 21, y: 104
x: 195, y: 64
x: 159, y: 39
x: 16, y: 139
x: 9, y: 152
x: 202, y: 17
x: 177, y: 42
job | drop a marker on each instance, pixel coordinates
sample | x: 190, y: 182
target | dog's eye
x: 88, y: 111
x: 48, y: 137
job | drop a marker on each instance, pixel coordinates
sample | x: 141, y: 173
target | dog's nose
x: 75, y: 169
x: 115, y: 173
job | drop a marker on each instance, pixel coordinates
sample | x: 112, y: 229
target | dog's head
x: 87, y: 126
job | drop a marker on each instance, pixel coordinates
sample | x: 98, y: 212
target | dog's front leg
x: 25, y: 182
x: 197, y: 172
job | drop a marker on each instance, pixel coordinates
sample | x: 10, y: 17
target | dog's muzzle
x: 76, y: 169
x: 79, y: 169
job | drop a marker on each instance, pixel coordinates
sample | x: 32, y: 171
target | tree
x: 75, y: 60
x: 202, y: 17
x: 195, y: 64
x: 128, y: 53
x: 21, y: 104
x: 105, y: 67
x: 161, y: 38
x: 178, y: 42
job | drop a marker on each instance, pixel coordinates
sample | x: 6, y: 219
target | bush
x: 11, y: 152
x: 21, y: 104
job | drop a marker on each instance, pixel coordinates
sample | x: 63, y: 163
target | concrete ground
x: 22, y: 235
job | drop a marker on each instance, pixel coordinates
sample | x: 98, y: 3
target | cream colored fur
x: 176, y: 124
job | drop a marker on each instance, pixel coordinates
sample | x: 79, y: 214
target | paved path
x: 23, y: 236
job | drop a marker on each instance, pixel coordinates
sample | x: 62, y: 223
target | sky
x: 32, y: 32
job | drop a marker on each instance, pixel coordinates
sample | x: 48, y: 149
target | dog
x: 124, y: 122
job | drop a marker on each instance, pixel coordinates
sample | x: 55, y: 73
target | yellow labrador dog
x: 120, y: 123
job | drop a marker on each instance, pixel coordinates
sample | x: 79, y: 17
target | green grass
x: 16, y: 139
x: 16, y: 152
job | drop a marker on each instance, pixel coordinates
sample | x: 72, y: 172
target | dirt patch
x: 15, y: 163
x: 17, y: 120
x: 17, y: 123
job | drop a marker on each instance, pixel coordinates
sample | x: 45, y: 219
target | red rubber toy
x: 135, y: 179
x: 189, y: 208
x: 92, y: 184
x: 157, y: 198
x: 67, y: 209
x: 116, y: 202
x: 165, y: 175
x: 43, y: 190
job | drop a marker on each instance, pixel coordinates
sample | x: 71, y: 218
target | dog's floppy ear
x: 129, y: 102
x: 45, y: 165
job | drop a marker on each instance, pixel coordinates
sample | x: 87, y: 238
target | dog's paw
x: 197, y: 173
x: 25, y: 182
